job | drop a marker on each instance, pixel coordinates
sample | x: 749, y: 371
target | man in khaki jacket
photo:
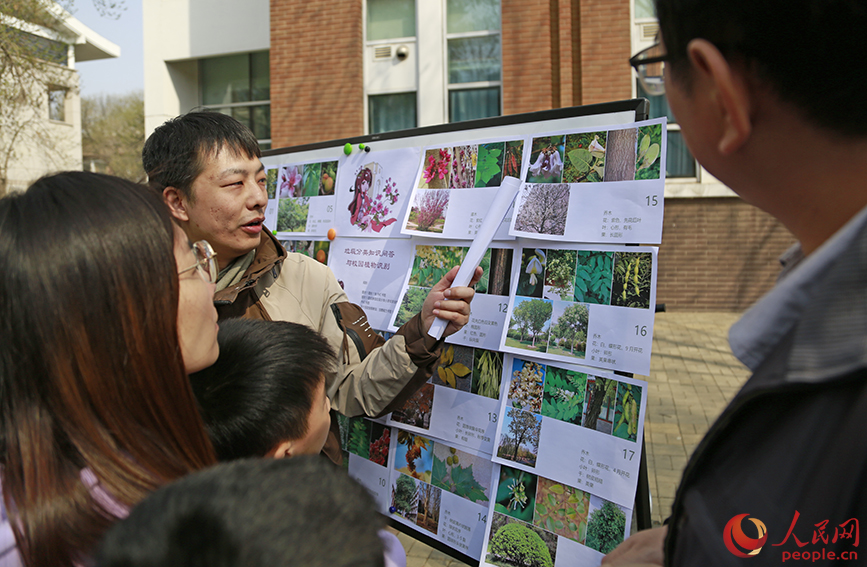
x: 207, y: 167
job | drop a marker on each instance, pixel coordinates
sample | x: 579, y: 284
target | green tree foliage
x: 292, y: 215
x: 112, y: 134
x: 453, y: 476
x: 593, y: 277
x: 572, y: 326
x: 405, y: 495
x: 605, y: 528
x: 564, y: 394
x: 524, y: 431
x: 534, y: 313
x: 560, y: 272
x: 411, y: 304
x: 519, y: 545
x: 489, y: 168
x: 359, y: 434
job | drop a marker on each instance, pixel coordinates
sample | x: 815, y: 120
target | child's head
x: 251, y: 513
x: 265, y: 395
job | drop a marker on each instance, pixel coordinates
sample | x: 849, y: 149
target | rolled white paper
x: 494, y: 217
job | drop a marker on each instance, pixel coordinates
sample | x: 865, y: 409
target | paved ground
x: 692, y: 377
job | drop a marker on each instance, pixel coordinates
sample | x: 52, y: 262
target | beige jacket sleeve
x: 304, y: 292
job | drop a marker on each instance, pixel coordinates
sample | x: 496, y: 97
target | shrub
x: 605, y: 528
x: 520, y: 545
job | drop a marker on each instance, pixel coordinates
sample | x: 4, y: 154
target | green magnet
x: 347, y: 149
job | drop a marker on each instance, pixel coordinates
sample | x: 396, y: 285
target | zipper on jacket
x: 359, y: 344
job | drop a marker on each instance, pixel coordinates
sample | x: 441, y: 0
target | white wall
x: 179, y: 32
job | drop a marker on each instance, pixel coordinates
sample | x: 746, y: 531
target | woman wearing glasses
x: 99, y: 331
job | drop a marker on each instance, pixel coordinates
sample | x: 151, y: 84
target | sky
x: 125, y: 73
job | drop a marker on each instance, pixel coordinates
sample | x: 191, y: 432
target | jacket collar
x: 822, y: 303
x: 269, y: 256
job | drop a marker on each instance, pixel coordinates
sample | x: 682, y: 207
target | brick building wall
x: 317, y: 90
x: 559, y: 53
x: 717, y: 254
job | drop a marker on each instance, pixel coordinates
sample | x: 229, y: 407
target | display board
x: 523, y: 431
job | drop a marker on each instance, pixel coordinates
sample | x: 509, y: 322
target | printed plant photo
x: 516, y: 494
x: 563, y: 398
x: 317, y: 249
x: 497, y: 276
x: 463, y: 170
x: 372, y: 199
x: 328, y: 175
x: 585, y: 157
x: 543, y: 209
x: 454, y: 368
x: 528, y: 327
x: 632, y: 277
x: 559, y: 275
x: 620, y: 155
x: 606, y: 525
x: 515, y: 543
x: 292, y: 215
x: 428, y: 513
x: 489, y: 167
x: 417, y: 409
x: 380, y: 437
x: 568, y: 333
x: 526, y: 386
x: 647, y: 164
x: 599, y: 402
x: 311, y: 178
x: 414, y: 455
x: 289, y: 182
x: 271, y: 182
x: 359, y: 437
x: 593, y: 275
x: 514, y: 159
x: 428, y: 212
x: 404, y: 497
x: 521, y: 443
x: 546, y: 160
x: 487, y: 373
x: 531, y: 280
x: 626, y: 411
x: 438, y: 164
x: 561, y: 509
x: 461, y: 473
x: 431, y: 263
x: 410, y: 304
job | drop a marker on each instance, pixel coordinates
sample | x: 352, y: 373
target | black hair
x: 261, y: 389
x: 810, y: 52
x: 252, y: 513
x: 174, y: 154
x: 91, y: 371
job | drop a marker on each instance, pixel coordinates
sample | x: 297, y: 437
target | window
x: 679, y: 162
x: 391, y: 112
x: 387, y: 21
x: 240, y: 86
x: 57, y: 104
x: 390, y: 19
x: 474, y: 62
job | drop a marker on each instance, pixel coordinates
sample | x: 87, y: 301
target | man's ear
x: 729, y: 91
x: 283, y: 450
x: 177, y: 203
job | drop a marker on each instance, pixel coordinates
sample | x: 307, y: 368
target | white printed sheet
x: 454, y: 187
x: 601, y: 185
x: 573, y: 424
x: 440, y: 490
x: 372, y: 273
x: 574, y: 304
x: 301, y: 199
x: 431, y: 262
x: 562, y: 525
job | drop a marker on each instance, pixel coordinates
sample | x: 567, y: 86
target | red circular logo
x: 737, y: 541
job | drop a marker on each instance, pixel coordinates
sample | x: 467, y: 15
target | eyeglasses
x: 206, y: 263
x: 649, y: 65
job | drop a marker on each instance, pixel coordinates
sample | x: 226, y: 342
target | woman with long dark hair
x: 105, y: 307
